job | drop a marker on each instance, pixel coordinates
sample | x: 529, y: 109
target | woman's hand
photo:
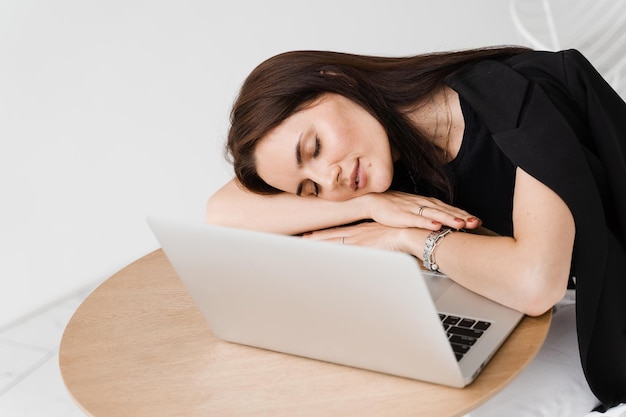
x: 289, y: 214
x: 397, y: 209
x: 370, y: 234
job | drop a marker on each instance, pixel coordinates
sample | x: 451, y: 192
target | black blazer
x: 554, y: 116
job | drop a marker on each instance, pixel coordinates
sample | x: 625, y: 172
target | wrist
x: 412, y: 241
x: 363, y: 205
x: 433, y: 240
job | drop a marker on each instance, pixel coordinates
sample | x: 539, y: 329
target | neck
x: 441, y: 121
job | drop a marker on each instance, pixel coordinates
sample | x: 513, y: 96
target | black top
x: 484, y: 178
x: 554, y: 116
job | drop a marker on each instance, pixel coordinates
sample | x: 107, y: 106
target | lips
x: 358, y: 177
x: 354, y: 177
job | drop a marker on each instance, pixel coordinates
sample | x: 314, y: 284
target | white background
x: 112, y: 110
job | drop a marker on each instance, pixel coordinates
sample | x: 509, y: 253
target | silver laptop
x: 362, y: 307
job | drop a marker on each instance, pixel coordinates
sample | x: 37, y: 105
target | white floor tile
x: 43, y: 330
x: 16, y: 361
x: 42, y: 393
x: 30, y: 379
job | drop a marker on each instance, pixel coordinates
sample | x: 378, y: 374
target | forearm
x: 498, y: 267
x: 280, y: 213
x: 529, y: 271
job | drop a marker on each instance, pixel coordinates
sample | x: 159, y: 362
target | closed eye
x: 318, y: 145
x: 308, y: 188
x: 316, y: 152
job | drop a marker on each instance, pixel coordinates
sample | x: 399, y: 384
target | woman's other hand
x: 397, y: 209
x: 370, y: 234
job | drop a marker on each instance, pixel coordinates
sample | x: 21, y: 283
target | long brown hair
x: 385, y: 86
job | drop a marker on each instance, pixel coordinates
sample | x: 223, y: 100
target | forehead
x: 275, y: 153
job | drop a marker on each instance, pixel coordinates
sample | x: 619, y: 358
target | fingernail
x: 472, y: 219
x: 456, y: 219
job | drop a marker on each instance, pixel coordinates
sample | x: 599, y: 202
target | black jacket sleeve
x: 554, y: 116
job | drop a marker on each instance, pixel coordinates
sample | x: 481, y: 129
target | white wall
x: 111, y: 110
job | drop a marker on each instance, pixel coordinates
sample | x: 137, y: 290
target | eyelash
x: 316, y: 152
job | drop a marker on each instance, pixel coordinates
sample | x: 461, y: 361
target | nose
x: 329, y: 178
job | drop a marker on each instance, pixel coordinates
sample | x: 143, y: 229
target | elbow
x: 229, y: 206
x: 215, y: 213
x: 541, y: 291
x: 537, y: 308
x: 210, y: 214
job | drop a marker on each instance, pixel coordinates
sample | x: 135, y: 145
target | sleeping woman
x: 513, y: 161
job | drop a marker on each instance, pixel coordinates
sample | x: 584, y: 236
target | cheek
x: 383, y: 183
x: 382, y: 176
x: 272, y: 162
x: 272, y: 173
x: 284, y: 181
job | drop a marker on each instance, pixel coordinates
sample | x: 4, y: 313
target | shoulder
x: 531, y: 65
x: 542, y: 65
x: 534, y: 58
x: 500, y: 87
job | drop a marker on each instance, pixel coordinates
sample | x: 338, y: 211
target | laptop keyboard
x: 462, y: 332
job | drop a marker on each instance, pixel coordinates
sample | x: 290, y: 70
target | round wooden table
x: 138, y: 346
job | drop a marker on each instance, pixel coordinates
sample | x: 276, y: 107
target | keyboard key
x: 482, y: 325
x: 452, y: 320
x: 465, y: 332
x: 466, y: 323
x: 462, y: 340
x: 462, y: 332
x: 459, y: 348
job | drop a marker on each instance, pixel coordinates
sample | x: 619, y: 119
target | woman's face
x: 333, y: 149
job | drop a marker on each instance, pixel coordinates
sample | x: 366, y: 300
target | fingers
x: 343, y: 235
x: 338, y: 235
x: 445, y: 215
x: 432, y: 209
x: 435, y: 210
x: 368, y: 234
